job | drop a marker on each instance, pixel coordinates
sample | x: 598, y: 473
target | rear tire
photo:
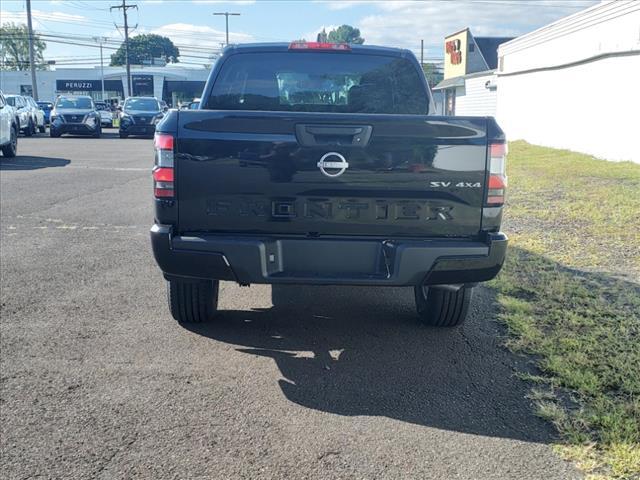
x: 30, y: 130
x: 10, y: 150
x: 123, y: 135
x: 42, y: 129
x: 438, y: 307
x: 53, y: 133
x: 193, y: 301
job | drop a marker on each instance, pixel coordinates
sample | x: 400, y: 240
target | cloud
x: 405, y: 23
x: 232, y: 2
x: 343, y: 5
x: 201, y: 36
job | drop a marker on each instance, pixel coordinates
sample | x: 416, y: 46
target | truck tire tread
x: 442, y: 308
x: 192, y: 301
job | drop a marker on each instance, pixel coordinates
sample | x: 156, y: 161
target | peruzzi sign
x: 77, y: 85
x: 452, y: 47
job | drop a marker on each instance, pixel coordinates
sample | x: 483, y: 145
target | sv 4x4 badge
x: 457, y: 185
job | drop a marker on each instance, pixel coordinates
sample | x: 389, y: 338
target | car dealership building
x: 172, y: 84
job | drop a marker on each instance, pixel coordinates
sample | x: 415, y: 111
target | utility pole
x: 124, y: 8
x: 32, y: 60
x: 226, y: 15
x: 100, y: 41
x: 422, y: 53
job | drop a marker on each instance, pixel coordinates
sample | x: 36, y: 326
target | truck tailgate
x: 291, y: 173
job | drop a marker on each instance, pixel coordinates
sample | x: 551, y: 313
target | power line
x: 115, y: 44
x: 100, y: 24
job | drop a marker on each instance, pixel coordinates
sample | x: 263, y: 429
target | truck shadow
x: 31, y: 163
x: 360, y: 351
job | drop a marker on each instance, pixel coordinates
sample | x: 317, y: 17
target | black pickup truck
x: 317, y: 163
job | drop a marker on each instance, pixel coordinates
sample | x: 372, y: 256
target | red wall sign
x: 452, y: 47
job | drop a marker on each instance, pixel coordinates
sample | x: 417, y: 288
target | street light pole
x: 226, y: 15
x: 100, y: 41
x: 32, y: 62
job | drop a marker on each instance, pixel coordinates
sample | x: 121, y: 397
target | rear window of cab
x: 319, y: 82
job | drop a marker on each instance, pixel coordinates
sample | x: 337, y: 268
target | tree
x: 322, y: 36
x: 145, y: 48
x: 14, y: 48
x: 433, y: 73
x: 345, y: 34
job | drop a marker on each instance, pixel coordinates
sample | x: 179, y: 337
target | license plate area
x: 326, y: 259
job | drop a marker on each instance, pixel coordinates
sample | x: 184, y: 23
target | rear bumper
x: 133, y: 129
x: 332, y: 261
x: 74, y: 128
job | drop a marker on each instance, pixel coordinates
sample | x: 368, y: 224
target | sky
x: 68, y: 26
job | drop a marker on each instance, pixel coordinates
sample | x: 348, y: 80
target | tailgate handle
x: 328, y: 130
x: 356, y: 135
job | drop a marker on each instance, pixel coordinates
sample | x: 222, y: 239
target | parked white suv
x: 37, y: 114
x: 8, y: 128
x: 24, y: 113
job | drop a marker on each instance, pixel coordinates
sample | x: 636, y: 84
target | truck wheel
x: 193, y: 301
x: 439, y: 307
x: 11, y: 149
x: 30, y: 130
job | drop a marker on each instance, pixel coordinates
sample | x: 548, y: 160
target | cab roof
x: 284, y: 47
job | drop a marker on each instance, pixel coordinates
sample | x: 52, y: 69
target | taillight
x: 497, y: 174
x: 342, y: 47
x: 163, y: 166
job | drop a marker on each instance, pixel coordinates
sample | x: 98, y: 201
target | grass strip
x: 570, y: 295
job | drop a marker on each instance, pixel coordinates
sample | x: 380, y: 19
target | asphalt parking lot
x: 98, y: 381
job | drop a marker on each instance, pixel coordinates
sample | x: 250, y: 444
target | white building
x: 469, y: 85
x: 173, y: 84
x: 575, y: 83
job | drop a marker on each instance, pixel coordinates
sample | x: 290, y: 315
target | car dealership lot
x: 98, y: 381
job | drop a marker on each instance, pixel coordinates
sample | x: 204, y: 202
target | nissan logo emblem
x: 334, y: 166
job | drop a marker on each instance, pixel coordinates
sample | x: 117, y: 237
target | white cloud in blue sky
x: 393, y: 23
